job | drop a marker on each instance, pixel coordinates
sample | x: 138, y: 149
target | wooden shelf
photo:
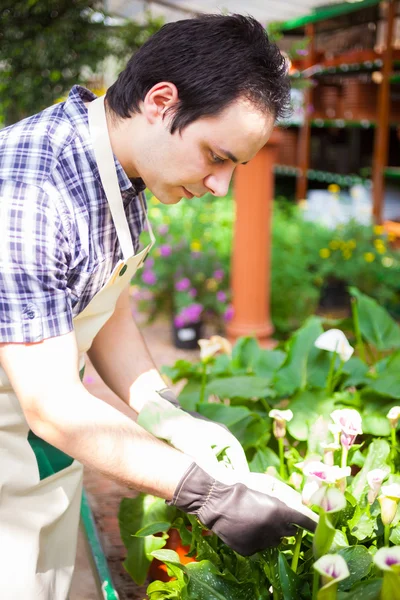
x: 349, y: 62
x: 321, y: 176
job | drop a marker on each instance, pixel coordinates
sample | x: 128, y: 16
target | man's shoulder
x: 30, y: 149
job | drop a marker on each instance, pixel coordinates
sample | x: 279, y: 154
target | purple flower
x: 179, y: 321
x: 228, y: 315
x: 163, y: 229
x: 302, y: 52
x: 149, y: 262
x: 221, y: 296
x: 182, y: 285
x: 218, y: 274
x: 192, y: 313
x: 165, y: 250
x: 193, y: 293
x: 149, y: 277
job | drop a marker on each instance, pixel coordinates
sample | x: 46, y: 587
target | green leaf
x: 307, y: 406
x: 190, y: 395
x: 361, y: 525
x: 378, y: 453
x: 359, y: 562
x: 152, y: 528
x: 264, y: 458
x: 355, y: 370
x: 293, y: 374
x: 268, y: 362
x: 170, y: 590
x: 376, y: 326
x: 139, y: 557
x: 221, y: 413
x: 182, y: 369
x: 395, y: 535
x: 376, y: 424
x: 290, y: 582
x: 245, y: 354
x: 387, y: 384
x: 245, y: 387
x: 366, y: 590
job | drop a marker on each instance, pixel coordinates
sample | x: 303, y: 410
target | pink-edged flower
x: 163, y: 229
x: 323, y: 473
x: 149, y: 277
x: 329, y: 498
x: 394, y: 416
x: 218, y: 274
x: 149, y: 263
x: 388, y: 559
x: 375, y: 479
x: 349, y: 420
x: 332, y: 568
x: 179, y: 321
x: 296, y: 480
x: 280, y: 417
x: 192, y: 292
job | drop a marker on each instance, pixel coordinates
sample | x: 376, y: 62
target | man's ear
x: 158, y: 100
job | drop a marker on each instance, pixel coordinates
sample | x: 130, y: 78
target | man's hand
x: 202, y: 439
x: 247, y: 520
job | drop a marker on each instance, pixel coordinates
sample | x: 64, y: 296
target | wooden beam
x: 381, y: 140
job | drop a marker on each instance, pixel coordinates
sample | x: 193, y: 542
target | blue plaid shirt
x: 58, y: 244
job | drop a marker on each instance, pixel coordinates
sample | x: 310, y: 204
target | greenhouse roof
x: 295, y: 13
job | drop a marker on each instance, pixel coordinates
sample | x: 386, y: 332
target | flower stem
x: 296, y: 551
x: 315, y: 585
x: 394, y: 439
x: 330, y: 374
x: 281, y: 458
x: 386, y: 535
x: 344, y: 457
x: 357, y: 330
x: 203, y: 382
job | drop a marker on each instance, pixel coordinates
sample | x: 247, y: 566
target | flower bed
x: 312, y: 414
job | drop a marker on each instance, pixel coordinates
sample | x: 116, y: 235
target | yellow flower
x: 347, y: 254
x: 369, y: 256
x: 391, y: 236
x: 333, y: 188
x: 155, y: 213
x: 211, y: 285
x: 334, y: 244
x: 324, y: 253
x: 352, y: 244
x: 379, y: 229
x: 195, y: 246
x: 380, y: 246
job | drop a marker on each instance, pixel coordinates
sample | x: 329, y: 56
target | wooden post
x: 303, y: 148
x: 382, y: 130
x: 254, y: 192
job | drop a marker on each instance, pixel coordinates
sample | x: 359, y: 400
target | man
x: 200, y: 96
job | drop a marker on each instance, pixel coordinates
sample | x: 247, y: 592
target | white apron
x: 39, y: 517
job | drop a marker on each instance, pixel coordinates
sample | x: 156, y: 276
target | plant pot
x: 187, y: 337
x: 158, y: 571
x: 334, y: 294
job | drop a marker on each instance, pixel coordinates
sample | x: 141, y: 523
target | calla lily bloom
x: 332, y: 568
x: 388, y: 559
x: 349, y: 420
x: 389, y: 500
x: 215, y: 344
x: 323, y: 473
x: 280, y: 417
x: 329, y: 498
x: 334, y: 340
x: 394, y: 416
x: 375, y: 479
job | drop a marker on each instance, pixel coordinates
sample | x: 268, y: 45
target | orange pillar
x: 250, y: 280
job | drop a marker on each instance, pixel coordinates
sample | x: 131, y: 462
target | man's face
x: 203, y: 157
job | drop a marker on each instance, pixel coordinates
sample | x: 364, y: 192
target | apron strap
x: 105, y: 162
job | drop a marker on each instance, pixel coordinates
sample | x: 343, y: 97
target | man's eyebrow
x: 229, y: 155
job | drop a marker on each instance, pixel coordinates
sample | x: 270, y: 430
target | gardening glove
x: 200, y: 438
x: 245, y: 519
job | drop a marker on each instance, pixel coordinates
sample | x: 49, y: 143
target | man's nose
x: 218, y: 182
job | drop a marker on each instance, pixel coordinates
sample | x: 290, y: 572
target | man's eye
x: 216, y: 159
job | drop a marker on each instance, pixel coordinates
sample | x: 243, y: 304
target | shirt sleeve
x: 34, y: 257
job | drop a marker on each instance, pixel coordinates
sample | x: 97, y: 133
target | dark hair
x: 213, y: 60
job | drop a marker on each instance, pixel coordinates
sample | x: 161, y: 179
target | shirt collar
x: 77, y: 112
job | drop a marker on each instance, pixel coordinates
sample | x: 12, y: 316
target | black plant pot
x: 334, y: 294
x: 187, y: 337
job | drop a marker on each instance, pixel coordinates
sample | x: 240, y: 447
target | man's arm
x: 121, y: 358
x: 61, y: 411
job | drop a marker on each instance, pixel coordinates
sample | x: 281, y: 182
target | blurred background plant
x: 46, y: 47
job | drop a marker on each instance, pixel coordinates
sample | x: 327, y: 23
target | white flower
x: 334, y: 340
x: 281, y: 417
x: 391, y: 491
x: 388, y: 559
x: 330, y: 499
x: 389, y: 499
x: 394, y: 416
x: 215, y: 344
x: 333, y: 568
x: 375, y: 479
x: 349, y: 420
x: 323, y: 473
